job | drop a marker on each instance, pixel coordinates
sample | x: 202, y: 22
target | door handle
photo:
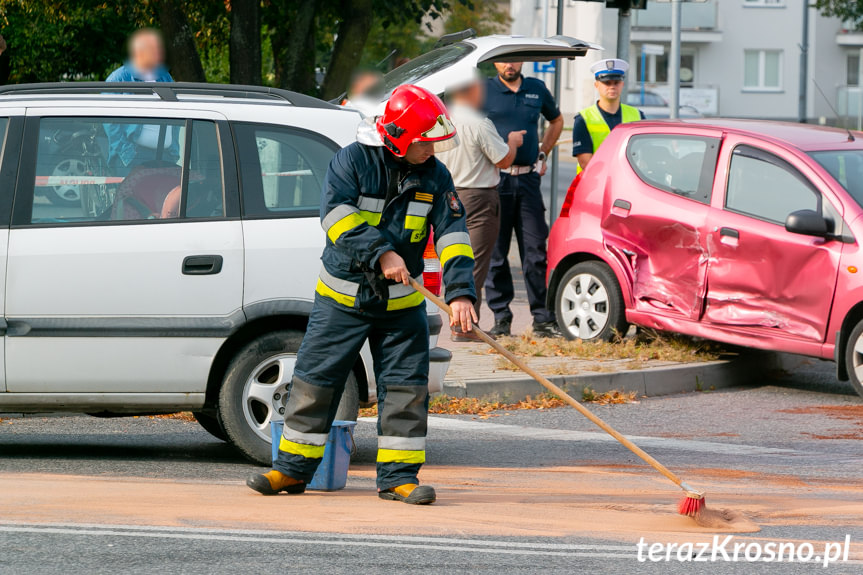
x: 621, y: 208
x: 729, y: 237
x: 202, y: 265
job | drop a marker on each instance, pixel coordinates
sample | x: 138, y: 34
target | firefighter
x: 593, y: 124
x: 378, y: 204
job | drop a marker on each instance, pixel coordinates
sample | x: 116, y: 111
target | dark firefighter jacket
x: 373, y: 202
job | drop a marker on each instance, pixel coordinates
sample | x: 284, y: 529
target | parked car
x: 655, y: 107
x: 456, y: 58
x: 168, y: 284
x: 180, y: 277
x: 744, y: 232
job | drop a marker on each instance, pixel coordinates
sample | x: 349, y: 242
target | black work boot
x: 410, y: 493
x: 546, y: 329
x: 502, y: 328
x: 272, y: 482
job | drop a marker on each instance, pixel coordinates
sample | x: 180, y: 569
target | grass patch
x: 648, y: 345
x: 485, y: 408
x: 614, y: 397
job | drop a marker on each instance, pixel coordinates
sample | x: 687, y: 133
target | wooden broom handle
x: 555, y: 389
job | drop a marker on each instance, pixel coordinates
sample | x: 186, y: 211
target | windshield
x: 650, y: 99
x: 420, y: 67
x: 846, y: 167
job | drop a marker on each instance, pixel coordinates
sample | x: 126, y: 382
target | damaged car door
x: 761, y: 276
x: 655, y: 217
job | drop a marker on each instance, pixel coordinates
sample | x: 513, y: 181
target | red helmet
x: 414, y: 114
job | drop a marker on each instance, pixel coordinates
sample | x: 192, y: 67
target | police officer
x: 377, y: 205
x: 514, y: 103
x: 595, y: 122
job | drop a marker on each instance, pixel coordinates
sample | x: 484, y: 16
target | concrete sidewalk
x: 477, y: 371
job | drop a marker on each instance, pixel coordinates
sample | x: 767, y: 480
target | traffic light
x: 626, y: 4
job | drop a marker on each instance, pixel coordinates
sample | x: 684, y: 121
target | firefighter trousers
x: 399, y: 342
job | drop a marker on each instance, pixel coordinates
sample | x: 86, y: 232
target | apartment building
x: 739, y: 58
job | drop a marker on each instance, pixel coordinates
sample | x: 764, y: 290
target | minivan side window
x: 767, y: 187
x: 92, y: 170
x: 282, y: 170
x: 681, y: 165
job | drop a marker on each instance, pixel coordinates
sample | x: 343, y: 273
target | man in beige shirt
x: 475, y: 167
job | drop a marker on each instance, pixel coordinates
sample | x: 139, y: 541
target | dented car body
x: 743, y: 232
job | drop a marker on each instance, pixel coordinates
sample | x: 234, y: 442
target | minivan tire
x: 595, y: 276
x: 210, y: 422
x: 854, y: 359
x: 253, y: 443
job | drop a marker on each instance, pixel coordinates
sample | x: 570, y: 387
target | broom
x: 692, y: 501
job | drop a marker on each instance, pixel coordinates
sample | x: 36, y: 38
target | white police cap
x: 609, y: 68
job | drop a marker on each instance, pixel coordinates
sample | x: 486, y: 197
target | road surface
x: 522, y: 492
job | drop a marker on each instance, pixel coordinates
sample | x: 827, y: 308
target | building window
x: 765, y: 3
x: 852, y: 74
x: 762, y: 70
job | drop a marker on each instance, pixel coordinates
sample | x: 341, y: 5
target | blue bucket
x: 332, y: 473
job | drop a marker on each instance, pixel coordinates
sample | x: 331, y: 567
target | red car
x: 743, y: 232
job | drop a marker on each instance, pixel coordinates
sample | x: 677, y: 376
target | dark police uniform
x: 373, y: 203
x: 521, y: 207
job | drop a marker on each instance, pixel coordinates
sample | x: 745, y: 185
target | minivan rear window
x: 421, y: 67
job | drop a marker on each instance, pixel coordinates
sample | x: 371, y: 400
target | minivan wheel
x: 589, y: 303
x: 854, y: 357
x: 253, y: 392
x: 210, y: 422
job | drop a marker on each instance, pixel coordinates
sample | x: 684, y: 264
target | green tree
x: 847, y: 10
x: 484, y: 16
x: 50, y: 40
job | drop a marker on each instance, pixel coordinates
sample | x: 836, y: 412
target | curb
x: 746, y: 369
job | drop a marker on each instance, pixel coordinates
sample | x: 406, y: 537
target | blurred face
x: 472, y: 96
x: 362, y: 83
x: 609, y: 89
x: 419, y: 152
x: 146, y: 51
x: 509, y: 71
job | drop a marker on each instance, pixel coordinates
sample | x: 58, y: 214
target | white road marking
x: 521, y: 431
x: 333, y: 539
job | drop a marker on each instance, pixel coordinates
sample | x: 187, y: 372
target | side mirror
x: 807, y: 223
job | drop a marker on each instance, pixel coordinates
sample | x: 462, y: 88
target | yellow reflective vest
x: 598, y: 128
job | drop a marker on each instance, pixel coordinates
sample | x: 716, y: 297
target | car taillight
x: 431, y: 269
x: 570, y: 195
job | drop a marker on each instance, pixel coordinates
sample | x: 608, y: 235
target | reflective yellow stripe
x: 329, y: 292
x: 400, y: 456
x: 308, y: 451
x: 415, y: 222
x: 372, y: 218
x: 345, y: 224
x: 404, y: 302
x: 454, y: 250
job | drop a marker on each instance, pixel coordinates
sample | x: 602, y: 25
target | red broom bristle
x: 689, y: 506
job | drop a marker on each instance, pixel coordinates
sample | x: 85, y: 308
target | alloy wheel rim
x: 265, y: 392
x: 584, y: 306
x: 857, y: 358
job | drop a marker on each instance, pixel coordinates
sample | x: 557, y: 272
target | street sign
x: 544, y: 67
x: 652, y: 49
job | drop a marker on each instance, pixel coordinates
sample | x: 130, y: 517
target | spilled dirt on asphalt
x: 615, y: 503
x: 844, y: 413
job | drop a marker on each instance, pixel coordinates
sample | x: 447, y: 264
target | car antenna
x: 851, y: 137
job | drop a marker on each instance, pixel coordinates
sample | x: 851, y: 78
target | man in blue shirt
x: 515, y: 103
x: 146, y: 63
